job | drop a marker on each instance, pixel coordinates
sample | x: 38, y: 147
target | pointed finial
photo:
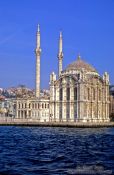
x: 60, y: 34
x: 38, y: 28
x: 79, y: 57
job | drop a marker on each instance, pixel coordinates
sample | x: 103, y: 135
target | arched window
x: 22, y: 114
x: 68, y: 93
x: 14, y: 106
x: 93, y: 93
x: 29, y: 113
x: 35, y: 106
x: 45, y: 105
x: 19, y: 106
x: 88, y: 94
x: 18, y: 113
x: 61, y: 94
x: 75, y: 93
x: 103, y: 94
x: 29, y: 105
x: 25, y: 114
x: 99, y: 94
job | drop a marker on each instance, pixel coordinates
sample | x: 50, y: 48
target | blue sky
x: 87, y: 27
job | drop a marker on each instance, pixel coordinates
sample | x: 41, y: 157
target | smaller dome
x: 79, y: 65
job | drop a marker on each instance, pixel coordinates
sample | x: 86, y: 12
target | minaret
x: 60, y: 54
x: 38, y: 53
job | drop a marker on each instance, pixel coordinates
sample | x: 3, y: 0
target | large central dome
x: 79, y: 65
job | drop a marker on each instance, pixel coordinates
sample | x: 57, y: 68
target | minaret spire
x: 38, y: 53
x: 38, y: 28
x: 38, y: 37
x: 60, y: 42
x: 60, y: 54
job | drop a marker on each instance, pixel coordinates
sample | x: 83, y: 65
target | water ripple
x: 56, y: 151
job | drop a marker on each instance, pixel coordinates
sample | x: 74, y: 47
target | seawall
x: 55, y: 124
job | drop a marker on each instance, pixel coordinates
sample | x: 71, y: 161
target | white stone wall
x: 92, y: 106
x: 34, y: 109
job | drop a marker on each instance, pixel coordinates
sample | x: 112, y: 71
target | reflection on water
x: 53, y: 151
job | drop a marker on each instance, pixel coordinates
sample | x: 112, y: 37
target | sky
x: 87, y: 27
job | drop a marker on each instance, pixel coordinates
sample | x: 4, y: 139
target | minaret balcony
x: 38, y: 51
x: 60, y: 55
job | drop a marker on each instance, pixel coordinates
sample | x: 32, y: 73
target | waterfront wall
x: 8, y: 121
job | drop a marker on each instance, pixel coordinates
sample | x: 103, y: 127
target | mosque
x: 79, y: 94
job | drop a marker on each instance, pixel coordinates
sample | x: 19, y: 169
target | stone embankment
x: 6, y: 121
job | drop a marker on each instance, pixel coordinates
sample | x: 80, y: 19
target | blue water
x: 56, y: 151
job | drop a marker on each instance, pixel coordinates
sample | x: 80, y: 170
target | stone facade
x: 112, y: 102
x: 80, y: 94
x: 112, y: 106
x: 35, y: 109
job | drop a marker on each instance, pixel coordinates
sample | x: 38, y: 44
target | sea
x: 56, y: 151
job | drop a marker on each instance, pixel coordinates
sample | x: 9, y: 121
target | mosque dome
x: 79, y: 65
